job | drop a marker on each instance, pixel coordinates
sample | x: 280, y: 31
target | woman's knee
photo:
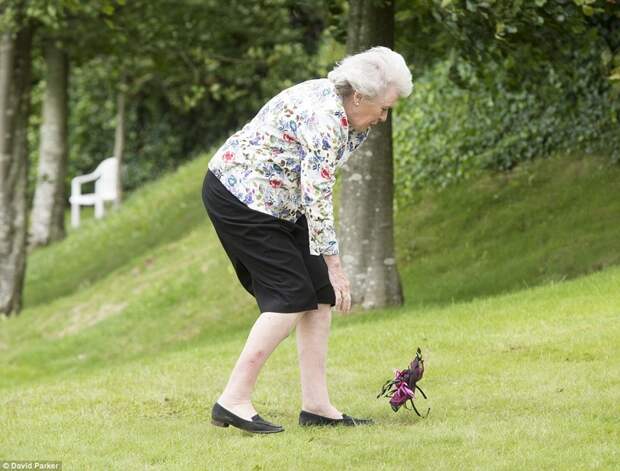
x: 323, y: 310
x: 321, y: 316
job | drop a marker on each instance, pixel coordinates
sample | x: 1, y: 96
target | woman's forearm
x: 332, y: 261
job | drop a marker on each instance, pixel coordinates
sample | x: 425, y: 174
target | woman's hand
x: 339, y: 282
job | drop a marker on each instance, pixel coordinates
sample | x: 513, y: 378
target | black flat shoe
x: 309, y: 419
x: 223, y: 418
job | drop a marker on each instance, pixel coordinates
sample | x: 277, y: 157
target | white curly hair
x: 371, y: 73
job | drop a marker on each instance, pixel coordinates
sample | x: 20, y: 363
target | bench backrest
x: 105, y: 185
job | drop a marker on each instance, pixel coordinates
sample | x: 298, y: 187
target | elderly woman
x: 268, y: 193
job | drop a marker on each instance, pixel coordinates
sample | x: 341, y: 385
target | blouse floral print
x: 284, y: 161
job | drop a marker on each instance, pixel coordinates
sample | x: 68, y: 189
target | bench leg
x: 99, y: 209
x: 75, y: 215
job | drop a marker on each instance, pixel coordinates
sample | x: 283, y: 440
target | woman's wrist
x: 332, y: 261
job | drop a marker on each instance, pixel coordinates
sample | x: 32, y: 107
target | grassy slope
x: 163, y: 212
x: 126, y: 360
x: 157, y: 262
x: 546, y: 221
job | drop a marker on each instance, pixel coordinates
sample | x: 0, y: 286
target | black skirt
x: 271, y: 256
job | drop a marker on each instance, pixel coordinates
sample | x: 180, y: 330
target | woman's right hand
x: 339, y: 282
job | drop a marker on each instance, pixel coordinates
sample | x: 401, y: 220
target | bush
x: 460, y: 121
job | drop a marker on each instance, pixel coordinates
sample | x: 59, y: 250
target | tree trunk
x: 48, y: 221
x: 119, y: 141
x: 14, y: 110
x: 366, y: 223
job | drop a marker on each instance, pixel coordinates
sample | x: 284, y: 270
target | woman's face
x: 363, y: 112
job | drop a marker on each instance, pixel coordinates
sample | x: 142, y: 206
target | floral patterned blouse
x: 284, y: 161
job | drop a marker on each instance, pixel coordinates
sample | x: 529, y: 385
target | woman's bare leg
x: 312, y: 337
x: 268, y: 331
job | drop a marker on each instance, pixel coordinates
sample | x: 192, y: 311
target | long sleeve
x: 324, y: 141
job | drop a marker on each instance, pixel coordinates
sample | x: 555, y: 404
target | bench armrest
x: 89, y: 177
x: 76, y: 182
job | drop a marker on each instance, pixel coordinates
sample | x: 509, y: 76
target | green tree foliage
x: 505, y: 82
x: 533, y: 32
x: 193, y: 71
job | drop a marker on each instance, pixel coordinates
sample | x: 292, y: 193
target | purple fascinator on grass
x: 402, y: 388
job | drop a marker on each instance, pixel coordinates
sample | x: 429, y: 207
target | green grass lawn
x: 133, y: 323
x: 524, y: 381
